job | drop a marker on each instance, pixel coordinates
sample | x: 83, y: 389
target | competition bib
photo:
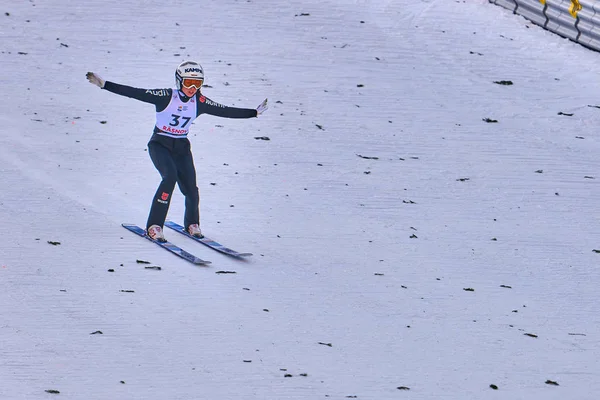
x: 176, y: 119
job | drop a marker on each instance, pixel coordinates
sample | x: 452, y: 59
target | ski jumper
x: 169, y: 147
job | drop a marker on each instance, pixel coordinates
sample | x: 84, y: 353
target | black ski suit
x: 169, y: 147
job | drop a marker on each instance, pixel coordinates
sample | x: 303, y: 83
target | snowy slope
x: 399, y: 240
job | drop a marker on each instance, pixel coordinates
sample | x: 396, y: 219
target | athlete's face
x: 189, y: 91
x: 191, y: 85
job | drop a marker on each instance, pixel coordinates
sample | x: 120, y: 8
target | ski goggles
x: 192, y: 82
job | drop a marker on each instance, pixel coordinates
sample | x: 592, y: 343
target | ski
x: 207, y: 241
x: 178, y: 251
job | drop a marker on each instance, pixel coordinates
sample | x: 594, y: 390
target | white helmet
x: 188, y: 69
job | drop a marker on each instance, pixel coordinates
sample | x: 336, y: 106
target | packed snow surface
x: 421, y: 227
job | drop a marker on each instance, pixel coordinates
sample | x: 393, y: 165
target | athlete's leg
x: 186, y: 179
x: 164, y: 163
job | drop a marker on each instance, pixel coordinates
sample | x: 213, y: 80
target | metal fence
x: 578, y: 20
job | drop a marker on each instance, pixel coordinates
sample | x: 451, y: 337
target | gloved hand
x: 95, y: 79
x: 262, y: 107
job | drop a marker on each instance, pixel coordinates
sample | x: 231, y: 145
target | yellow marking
x: 575, y: 8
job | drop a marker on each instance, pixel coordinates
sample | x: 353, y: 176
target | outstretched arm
x: 159, y: 97
x: 207, y: 106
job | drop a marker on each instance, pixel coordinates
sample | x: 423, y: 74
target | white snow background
x: 404, y: 248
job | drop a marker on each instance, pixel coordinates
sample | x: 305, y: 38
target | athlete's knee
x: 169, y: 181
